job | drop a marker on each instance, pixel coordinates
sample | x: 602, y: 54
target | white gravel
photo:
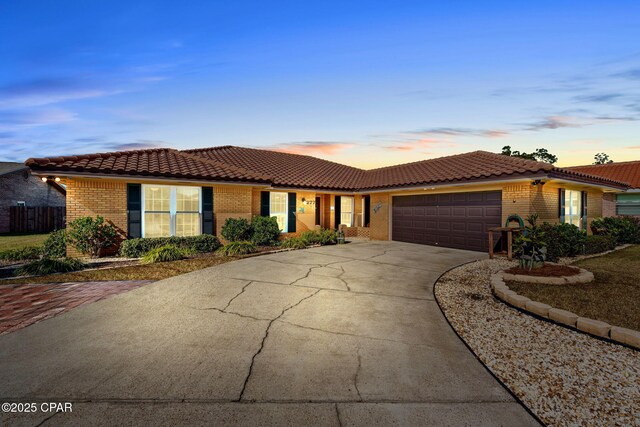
x: 565, y: 377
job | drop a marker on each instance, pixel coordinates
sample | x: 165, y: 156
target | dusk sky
x: 363, y: 83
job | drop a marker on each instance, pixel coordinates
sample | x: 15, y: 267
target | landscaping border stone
x: 597, y: 328
x: 583, y: 277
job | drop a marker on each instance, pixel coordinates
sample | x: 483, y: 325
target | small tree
x: 531, y: 247
x: 540, y: 155
x: 88, y: 235
x: 601, y: 159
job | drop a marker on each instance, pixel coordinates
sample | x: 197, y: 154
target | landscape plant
x: 56, y: 244
x: 294, y: 243
x: 530, y: 245
x: 136, y: 248
x: 625, y: 229
x: 90, y: 235
x: 236, y: 230
x: 596, y: 244
x: 21, y: 254
x: 237, y: 248
x: 49, y: 266
x: 563, y: 240
x: 265, y: 231
x: 164, y: 254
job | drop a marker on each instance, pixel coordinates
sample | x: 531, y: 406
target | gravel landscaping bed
x: 566, y: 378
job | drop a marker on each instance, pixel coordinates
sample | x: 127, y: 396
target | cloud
x: 310, y: 147
x: 16, y: 119
x: 633, y: 74
x: 633, y: 147
x: 554, y: 122
x: 448, y: 131
x: 47, y: 91
x: 604, y: 97
x: 90, y: 139
x: 140, y: 144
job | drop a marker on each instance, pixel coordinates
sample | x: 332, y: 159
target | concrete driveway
x: 341, y: 335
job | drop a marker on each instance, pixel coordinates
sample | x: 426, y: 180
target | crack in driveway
x: 264, y: 339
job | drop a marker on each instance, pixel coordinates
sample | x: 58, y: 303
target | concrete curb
x: 596, y: 328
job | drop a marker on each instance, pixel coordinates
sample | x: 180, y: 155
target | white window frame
x: 172, y: 207
x: 353, y: 209
x: 286, y: 209
x: 571, y: 217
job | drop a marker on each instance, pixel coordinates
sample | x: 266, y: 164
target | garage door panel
x: 456, y: 220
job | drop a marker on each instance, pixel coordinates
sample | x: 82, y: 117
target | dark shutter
x: 134, y: 211
x: 207, y: 210
x: 583, y: 210
x: 292, y: 213
x: 318, y: 207
x: 337, y: 209
x: 367, y: 211
x: 265, y: 202
x: 561, y: 204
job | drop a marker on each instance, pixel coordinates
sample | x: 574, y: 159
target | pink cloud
x: 312, y: 147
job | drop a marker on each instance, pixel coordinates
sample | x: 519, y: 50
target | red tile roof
x: 287, y: 170
x: 161, y: 162
x: 460, y: 167
x: 628, y: 172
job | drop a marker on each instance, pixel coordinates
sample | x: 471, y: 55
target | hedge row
x: 136, y: 248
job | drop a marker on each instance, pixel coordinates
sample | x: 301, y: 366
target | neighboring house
x: 18, y: 187
x: 623, y: 203
x: 448, y: 201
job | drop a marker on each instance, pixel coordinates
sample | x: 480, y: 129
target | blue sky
x: 363, y: 83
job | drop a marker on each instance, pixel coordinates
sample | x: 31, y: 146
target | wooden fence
x: 36, y: 219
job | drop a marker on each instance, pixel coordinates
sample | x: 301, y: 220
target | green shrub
x: 136, y: 248
x: 563, y: 240
x: 328, y: 236
x: 164, y: 254
x: 625, y: 229
x: 56, y: 244
x: 89, y: 236
x: 237, y: 248
x: 236, y: 230
x: 265, y: 230
x: 312, y: 237
x: 596, y: 244
x: 49, y: 266
x: 20, y: 254
x: 294, y: 243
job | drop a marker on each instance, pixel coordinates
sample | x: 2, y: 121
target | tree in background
x: 601, y: 159
x: 540, y: 155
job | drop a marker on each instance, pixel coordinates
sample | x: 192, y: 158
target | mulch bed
x: 548, y: 270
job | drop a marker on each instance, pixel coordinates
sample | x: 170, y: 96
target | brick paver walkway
x: 24, y: 305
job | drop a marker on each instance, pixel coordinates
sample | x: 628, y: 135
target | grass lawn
x: 613, y: 297
x: 16, y: 241
x: 157, y: 271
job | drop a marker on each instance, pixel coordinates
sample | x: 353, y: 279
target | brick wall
x: 516, y: 200
x: 108, y: 199
x: 232, y: 201
x: 609, y: 204
x: 379, y: 228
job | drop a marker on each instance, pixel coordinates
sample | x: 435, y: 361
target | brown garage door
x: 453, y: 220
